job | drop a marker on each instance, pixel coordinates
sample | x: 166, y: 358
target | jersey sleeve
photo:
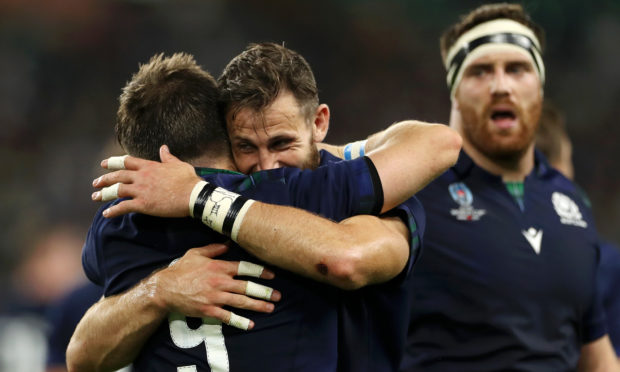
x: 121, y: 251
x: 595, y: 318
x: 63, y: 316
x: 90, y: 251
x: 413, y: 216
x: 338, y: 189
x: 594, y: 321
x: 608, y: 282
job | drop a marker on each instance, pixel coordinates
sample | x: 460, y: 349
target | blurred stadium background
x: 63, y: 63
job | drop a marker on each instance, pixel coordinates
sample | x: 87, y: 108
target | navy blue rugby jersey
x: 372, y: 320
x: 63, y: 317
x: 499, y: 288
x: 300, y: 335
x: 609, y: 281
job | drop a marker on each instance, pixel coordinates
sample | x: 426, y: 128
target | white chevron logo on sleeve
x: 534, y: 237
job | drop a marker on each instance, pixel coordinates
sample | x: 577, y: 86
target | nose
x: 267, y: 160
x: 500, y: 84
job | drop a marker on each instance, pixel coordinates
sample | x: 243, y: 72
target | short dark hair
x: 485, y: 13
x: 254, y: 78
x: 172, y: 101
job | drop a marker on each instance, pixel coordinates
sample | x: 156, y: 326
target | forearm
x: 408, y: 155
x: 598, y: 356
x: 335, y: 150
x: 113, y: 330
x: 356, y: 252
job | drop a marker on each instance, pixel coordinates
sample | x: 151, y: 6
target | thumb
x: 212, y: 250
x: 166, y: 156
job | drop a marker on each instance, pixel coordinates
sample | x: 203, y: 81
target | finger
x: 124, y: 207
x: 116, y: 162
x: 114, y: 192
x: 249, y: 269
x: 267, y: 274
x: 133, y: 163
x: 233, y: 320
x: 166, y: 156
x: 211, y: 250
x: 240, y: 322
x: 128, y: 162
x: 240, y: 287
x: 258, y: 291
x: 241, y: 301
x: 232, y: 268
x: 110, y: 192
x: 112, y: 178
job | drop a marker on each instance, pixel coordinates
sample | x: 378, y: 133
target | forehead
x: 283, y: 115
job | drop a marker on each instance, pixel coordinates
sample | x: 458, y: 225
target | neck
x: 510, y: 168
x: 221, y: 162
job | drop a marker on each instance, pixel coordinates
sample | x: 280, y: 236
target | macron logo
x: 534, y: 237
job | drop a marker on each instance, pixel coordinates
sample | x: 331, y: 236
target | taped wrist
x: 219, y: 209
x: 355, y: 150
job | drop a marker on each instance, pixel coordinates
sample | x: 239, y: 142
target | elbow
x: 452, y: 145
x: 443, y: 142
x: 74, y: 363
x: 457, y: 145
x: 79, y: 359
x: 448, y: 144
x: 348, y: 270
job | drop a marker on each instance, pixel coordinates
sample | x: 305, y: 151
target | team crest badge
x: 463, y: 197
x: 567, y: 210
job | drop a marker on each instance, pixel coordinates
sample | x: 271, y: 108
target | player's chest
x: 482, y: 231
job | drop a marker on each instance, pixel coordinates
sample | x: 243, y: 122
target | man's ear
x: 321, y: 123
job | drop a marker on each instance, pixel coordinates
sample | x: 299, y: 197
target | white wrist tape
x: 258, y: 291
x: 194, y: 195
x: 240, y: 216
x: 218, y: 208
x: 249, y: 269
x: 238, y: 322
x: 355, y: 150
x: 116, y: 162
x: 110, y: 192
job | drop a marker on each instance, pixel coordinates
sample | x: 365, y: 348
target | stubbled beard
x: 491, y: 144
x: 313, y: 159
x: 492, y: 147
x: 505, y: 155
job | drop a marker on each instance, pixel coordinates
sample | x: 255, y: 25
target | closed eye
x: 281, y: 144
x: 245, y: 147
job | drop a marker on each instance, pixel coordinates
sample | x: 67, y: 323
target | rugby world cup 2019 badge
x: 567, y: 210
x: 463, y: 197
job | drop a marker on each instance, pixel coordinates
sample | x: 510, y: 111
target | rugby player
x: 553, y: 141
x: 507, y: 279
x: 310, y: 261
